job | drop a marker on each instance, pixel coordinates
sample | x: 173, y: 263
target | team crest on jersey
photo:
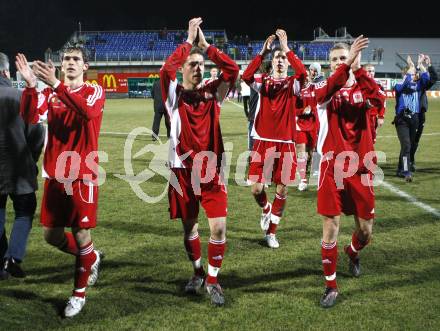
x: 55, y: 101
x: 357, y: 97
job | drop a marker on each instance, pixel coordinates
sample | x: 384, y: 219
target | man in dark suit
x: 159, y: 110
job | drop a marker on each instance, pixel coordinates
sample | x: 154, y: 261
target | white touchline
x: 411, y: 199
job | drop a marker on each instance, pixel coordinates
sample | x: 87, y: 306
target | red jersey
x: 308, y: 122
x: 379, y: 111
x: 195, y: 114
x: 74, y: 121
x: 275, y: 118
x: 344, y: 116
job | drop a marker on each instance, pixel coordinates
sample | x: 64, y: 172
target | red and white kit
x: 274, y: 127
x: 377, y: 112
x: 345, y: 127
x: 70, y: 157
x: 307, y: 125
x: 195, y: 136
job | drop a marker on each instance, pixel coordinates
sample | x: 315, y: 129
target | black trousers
x: 406, y: 132
x: 246, y: 105
x: 156, y: 123
x: 419, y: 132
x: 24, y: 205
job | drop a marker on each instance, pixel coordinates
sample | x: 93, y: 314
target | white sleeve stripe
x: 41, y: 99
x: 91, y: 99
x: 296, y: 87
x: 97, y: 95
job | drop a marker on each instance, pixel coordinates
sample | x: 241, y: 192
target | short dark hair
x: 274, y: 50
x: 69, y: 48
x: 196, y: 50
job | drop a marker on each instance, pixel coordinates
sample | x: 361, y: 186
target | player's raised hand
x: 282, y: 36
x: 356, y: 65
x: 202, y: 44
x: 358, y: 45
x: 427, y: 61
x: 193, y: 27
x: 409, y: 61
x: 267, y: 45
x: 45, y: 72
x: 26, y: 72
x: 420, y: 59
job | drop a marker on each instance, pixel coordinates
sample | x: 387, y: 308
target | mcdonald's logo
x: 108, y: 81
x: 153, y: 76
x: 92, y: 82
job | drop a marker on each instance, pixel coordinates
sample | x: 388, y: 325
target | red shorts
x: 79, y: 209
x: 354, y: 198
x: 272, y: 162
x: 309, y: 138
x: 212, y: 195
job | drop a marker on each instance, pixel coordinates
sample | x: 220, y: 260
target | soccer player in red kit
x: 194, y: 112
x: 377, y: 114
x: 273, y: 158
x: 347, y: 154
x: 307, y: 124
x: 73, y: 110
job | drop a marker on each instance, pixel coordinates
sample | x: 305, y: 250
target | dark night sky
x: 32, y: 26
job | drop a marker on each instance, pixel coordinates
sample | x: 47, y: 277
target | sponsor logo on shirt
x: 357, y: 97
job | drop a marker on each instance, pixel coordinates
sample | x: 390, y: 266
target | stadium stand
x: 156, y: 45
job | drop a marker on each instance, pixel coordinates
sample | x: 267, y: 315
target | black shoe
x: 215, y: 292
x: 353, y: 265
x: 408, y: 178
x: 328, y: 299
x: 12, y: 267
x: 399, y: 173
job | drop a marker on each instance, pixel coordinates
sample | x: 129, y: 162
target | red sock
x: 302, y: 167
x: 277, y: 211
x: 216, y: 251
x: 261, y: 199
x: 84, y: 262
x: 69, y: 244
x: 329, y: 253
x: 194, y: 251
x: 278, y: 204
x: 356, y: 245
x: 272, y: 228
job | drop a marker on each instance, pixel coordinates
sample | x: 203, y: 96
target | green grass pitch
x: 145, y: 270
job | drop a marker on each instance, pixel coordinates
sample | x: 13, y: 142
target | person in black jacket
x: 425, y: 60
x: 159, y: 110
x: 254, y: 101
x: 20, y: 148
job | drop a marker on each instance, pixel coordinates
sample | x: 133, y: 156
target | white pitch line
x: 411, y: 199
x: 390, y: 136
